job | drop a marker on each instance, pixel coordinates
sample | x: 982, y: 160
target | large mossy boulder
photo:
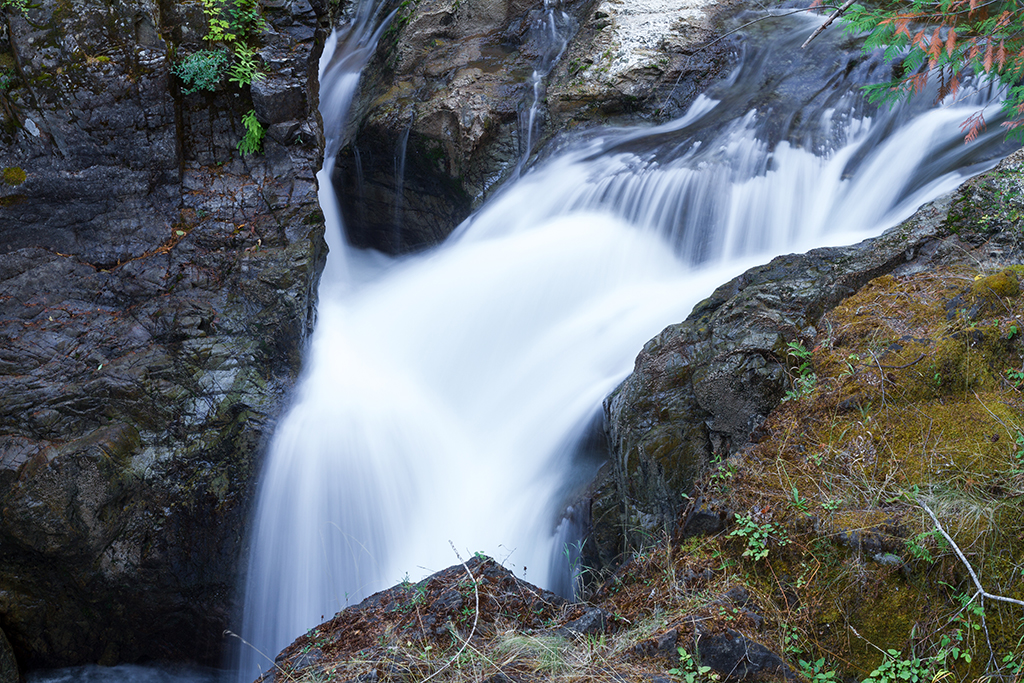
x: 701, y: 389
x: 156, y: 292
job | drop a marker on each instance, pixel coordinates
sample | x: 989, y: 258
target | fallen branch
x: 828, y: 22
x: 970, y: 570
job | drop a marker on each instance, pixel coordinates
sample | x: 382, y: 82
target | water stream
x: 448, y: 396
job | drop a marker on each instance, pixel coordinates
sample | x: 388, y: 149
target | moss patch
x: 14, y: 176
x: 918, y: 401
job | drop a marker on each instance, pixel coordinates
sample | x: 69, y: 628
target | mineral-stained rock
x: 156, y: 291
x: 641, y: 59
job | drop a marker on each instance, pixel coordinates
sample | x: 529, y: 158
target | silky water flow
x: 449, y: 397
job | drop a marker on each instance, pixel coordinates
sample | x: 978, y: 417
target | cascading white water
x: 444, y: 392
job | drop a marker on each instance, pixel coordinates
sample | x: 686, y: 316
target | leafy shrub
x: 245, y: 70
x: 201, y: 70
x: 20, y: 5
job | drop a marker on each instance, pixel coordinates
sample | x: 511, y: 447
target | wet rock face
x: 445, y: 109
x: 703, y: 387
x: 156, y: 291
x: 644, y: 60
x: 441, y: 116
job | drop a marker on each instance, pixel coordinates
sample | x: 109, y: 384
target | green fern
x: 252, y: 141
x: 201, y: 70
x: 245, y: 70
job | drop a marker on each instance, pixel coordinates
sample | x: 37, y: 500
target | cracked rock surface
x: 156, y: 291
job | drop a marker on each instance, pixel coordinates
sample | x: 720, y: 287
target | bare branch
x: 970, y: 570
x: 835, y: 15
x: 476, y: 616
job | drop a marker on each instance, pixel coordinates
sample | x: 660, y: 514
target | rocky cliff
x: 156, y: 291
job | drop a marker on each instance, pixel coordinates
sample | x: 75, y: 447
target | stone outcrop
x: 644, y: 60
x: 702, y: 388
x: 479, y: 598
x: 483, y: 623
x: 437, y: 121
x: 460, y: 92
x: 156, y: 292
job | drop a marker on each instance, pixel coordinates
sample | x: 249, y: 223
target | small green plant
x: 919, y: 547
x: 895, y: 669
x: 245, y: 70
x: 14, y: 176
x: 831, y: 505
x: 232, y: 24
x: 804, y: 378
x: 1016, y: 377
x: 815, y: 671
x: 690, y: 671
x: 1012, y: 665
x: 232, y: 21
x: 20, y: 5
x: 798, y: 502
x: 252, y: 141
x: 757, y: 535
x: 792, y: 640
x: 201, y: 70
x: 1018, y: 455
x: 723, y: 472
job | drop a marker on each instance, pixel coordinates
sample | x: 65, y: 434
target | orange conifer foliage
x: 949, y: 40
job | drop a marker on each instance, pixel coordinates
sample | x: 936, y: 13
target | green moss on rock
x: 14, y: 176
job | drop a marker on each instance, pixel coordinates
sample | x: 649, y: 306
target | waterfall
x: 446, y: 394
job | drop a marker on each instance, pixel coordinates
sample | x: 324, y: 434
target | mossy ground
x: 915, y: 401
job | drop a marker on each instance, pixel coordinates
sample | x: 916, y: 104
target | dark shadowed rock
x: 438, y: 117
x: 156, y: 292
x: 8, y: 666
x: 737, y: 658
